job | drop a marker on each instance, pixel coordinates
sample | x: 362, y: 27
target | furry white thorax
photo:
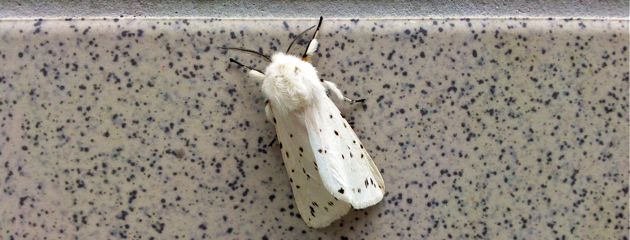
x: 290, y: 83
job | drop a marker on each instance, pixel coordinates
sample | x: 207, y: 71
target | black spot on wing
x: 340, y: 190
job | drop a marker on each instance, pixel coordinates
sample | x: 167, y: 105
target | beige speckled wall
x: 142, y: 129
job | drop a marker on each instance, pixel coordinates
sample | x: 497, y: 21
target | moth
x: 329, y: 169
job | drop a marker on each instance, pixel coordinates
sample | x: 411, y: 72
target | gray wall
x: 304, y: 9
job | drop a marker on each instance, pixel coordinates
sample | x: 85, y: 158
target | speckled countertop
x: 482, y: 128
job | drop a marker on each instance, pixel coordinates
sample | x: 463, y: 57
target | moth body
x: 329, y: 169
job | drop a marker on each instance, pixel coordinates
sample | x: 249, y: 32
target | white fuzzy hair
x: 290, y: 83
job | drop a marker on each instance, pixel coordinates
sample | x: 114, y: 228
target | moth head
x: 289, y: 66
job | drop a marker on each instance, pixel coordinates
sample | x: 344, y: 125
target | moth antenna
x: 244, y: 66
x: 313, y: 38
x: 298, y: 37
x: 248, y: 51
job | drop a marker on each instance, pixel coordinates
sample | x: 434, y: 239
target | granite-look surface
x: 141, y: 129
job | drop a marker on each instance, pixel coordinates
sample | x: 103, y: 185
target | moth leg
x: 252, y: 72
x: 332, y: 87
x: 313, y: 44
x: 272, y: 142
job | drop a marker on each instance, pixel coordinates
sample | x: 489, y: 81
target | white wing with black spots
x: 346, y: 168
x: 317, y: 207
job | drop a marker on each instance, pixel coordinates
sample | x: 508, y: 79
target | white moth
x: 329, y: 169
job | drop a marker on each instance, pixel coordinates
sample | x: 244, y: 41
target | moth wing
x: 346, y: 168
x: 317, y: 207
